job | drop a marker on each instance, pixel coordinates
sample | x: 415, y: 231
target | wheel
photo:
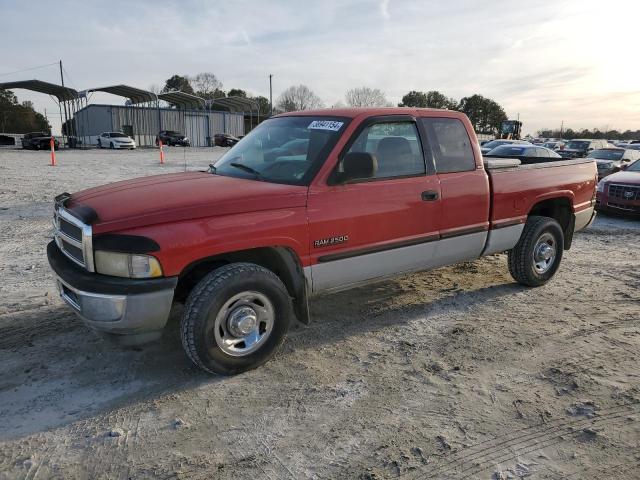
x: 111, y: 145
x: 235, y: 318
x: 537, y: 255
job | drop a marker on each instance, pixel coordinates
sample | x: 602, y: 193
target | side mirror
x: 357, y: 166
x: 623, y: 166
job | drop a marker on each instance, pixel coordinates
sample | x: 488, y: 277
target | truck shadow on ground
x: 55, y: 372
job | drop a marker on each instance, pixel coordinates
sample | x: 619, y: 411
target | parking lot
x: 454, y: 373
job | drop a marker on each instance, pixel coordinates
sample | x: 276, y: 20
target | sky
x: 546, y: 61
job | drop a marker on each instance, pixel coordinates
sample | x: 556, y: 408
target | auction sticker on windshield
x: 325, y: 125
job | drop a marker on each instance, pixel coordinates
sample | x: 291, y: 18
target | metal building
x: 143, y: 123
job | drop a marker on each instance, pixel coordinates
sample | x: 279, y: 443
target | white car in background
x: 116, y: 140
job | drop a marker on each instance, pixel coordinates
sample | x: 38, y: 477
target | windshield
x: 549, y: 145
x: 117, y: 135
x: 634, y: 167
x: 283, y: 150
x: 606, y: 154
x: 577, y: 145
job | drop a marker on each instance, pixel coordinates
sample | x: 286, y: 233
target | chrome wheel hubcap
x: 544, y: 253
x: 244, y: 323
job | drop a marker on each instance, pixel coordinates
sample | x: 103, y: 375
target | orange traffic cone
x: 52, y: 145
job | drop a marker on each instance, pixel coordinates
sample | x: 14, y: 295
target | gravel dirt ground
x: 455, y: 373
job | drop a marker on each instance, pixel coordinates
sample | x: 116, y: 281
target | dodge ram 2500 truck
x: 308, y: 202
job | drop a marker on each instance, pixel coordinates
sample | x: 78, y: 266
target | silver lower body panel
x: 351, y: 272
x: 503, y: 239
x: 584, y: 218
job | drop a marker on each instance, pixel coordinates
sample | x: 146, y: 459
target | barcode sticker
x: 325, y: 125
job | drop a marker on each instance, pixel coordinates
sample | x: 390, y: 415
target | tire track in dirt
x: 530, y: 437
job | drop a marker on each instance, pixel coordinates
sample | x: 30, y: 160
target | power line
x: 27, y: 69
x: 69, y: 78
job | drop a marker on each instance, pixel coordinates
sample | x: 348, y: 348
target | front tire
x: 235, y: 319
x: 536, y: 257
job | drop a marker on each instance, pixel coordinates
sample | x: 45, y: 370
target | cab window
x: 450, y: 144
x: 395, y: 146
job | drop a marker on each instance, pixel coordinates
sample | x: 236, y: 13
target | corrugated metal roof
x: 135, y: 95
x: 236, y: 104
x: 58, y: 91
x: 182, y: 100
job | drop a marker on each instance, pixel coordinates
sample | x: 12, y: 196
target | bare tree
x: 206, y: 85
x: 366, y: 97
x: 298, y: 97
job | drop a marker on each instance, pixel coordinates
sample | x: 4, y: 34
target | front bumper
x: 119, y: 306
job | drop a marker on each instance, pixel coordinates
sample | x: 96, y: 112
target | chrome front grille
x: 624, y: 192
x: 73, y: 238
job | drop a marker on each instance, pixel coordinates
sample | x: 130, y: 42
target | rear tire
x: 235, y: 319
x: 536, y: 257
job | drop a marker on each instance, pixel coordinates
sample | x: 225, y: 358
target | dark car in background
x: 525, y: 153
x: 612, y: 160
x: 581, y: 147
x: 171, y: 138
x: 38, y: 141
x: 620, y: 192
x: 225, y: 140
x: 488, y: 146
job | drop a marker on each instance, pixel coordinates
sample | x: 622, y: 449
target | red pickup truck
x: 308, y: 202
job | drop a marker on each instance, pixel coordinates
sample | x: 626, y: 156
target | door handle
x: 429, y: 196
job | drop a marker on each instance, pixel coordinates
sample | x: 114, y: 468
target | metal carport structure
x: 238, y: 105
x: 141, y: 119
x: 67, y: 98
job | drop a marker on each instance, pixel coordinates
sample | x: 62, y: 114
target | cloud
x: 384, y: 9
x: 549, y: 60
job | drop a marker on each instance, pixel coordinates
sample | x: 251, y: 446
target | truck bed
x: 517, y: 188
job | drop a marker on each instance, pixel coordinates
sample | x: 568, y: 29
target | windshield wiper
x: 248, y: 169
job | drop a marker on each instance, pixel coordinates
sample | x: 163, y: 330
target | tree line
x: 485, y: 114
x: 596, y: 133
x: 20, y: 117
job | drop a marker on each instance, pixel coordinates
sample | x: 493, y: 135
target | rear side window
x: 450, y: 144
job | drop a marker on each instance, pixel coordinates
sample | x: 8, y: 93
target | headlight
x: 600, y: 187
x: 127, y: 265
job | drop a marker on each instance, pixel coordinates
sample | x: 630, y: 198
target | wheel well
x: 560, y: 210
x: 280, y: 260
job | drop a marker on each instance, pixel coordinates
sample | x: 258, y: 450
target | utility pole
x: 270, y: 95
x: 65, y: 106
x: 561, y: 130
